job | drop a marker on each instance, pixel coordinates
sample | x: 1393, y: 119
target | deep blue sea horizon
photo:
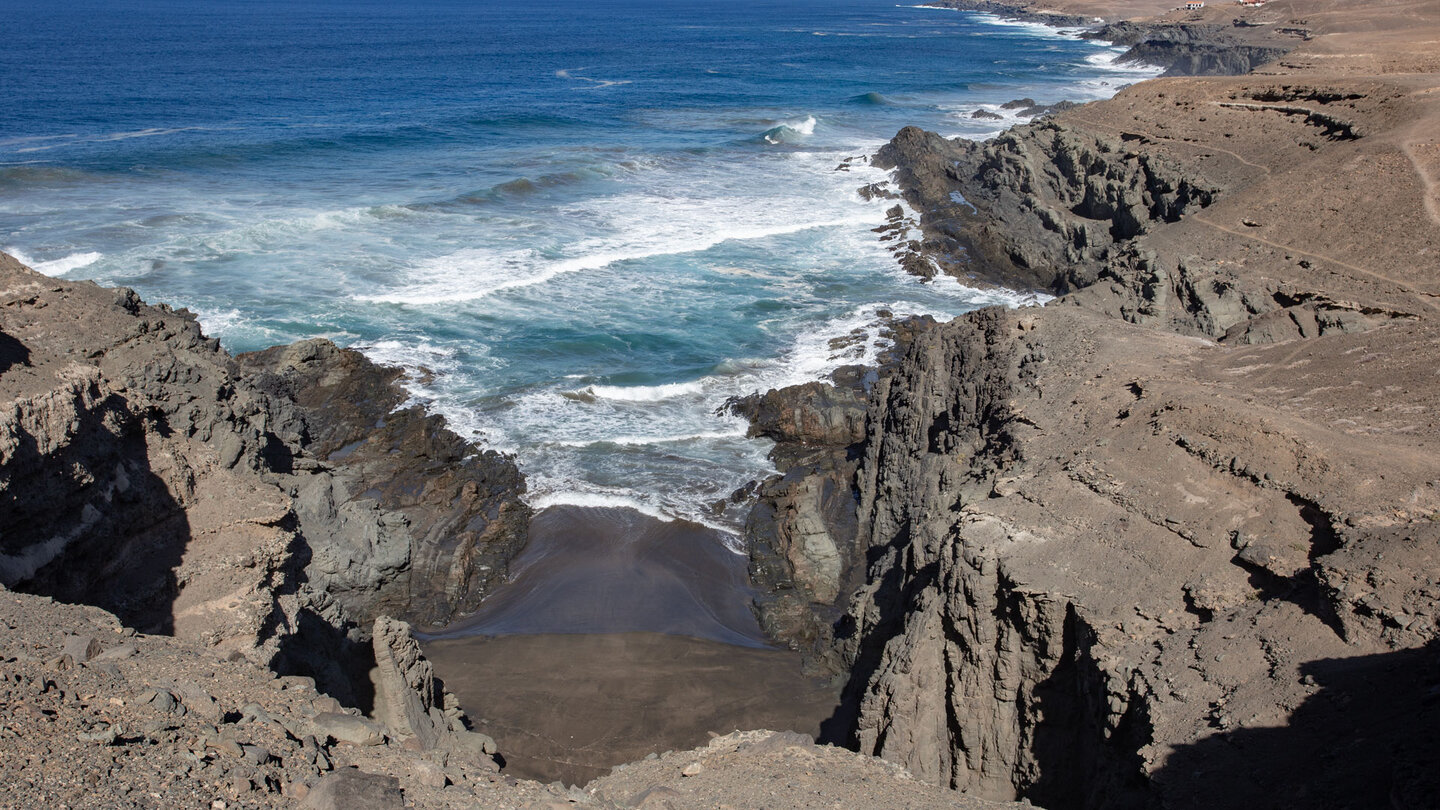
x: 594, y: 221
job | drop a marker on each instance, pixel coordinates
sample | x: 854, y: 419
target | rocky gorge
x: 1168, y: 541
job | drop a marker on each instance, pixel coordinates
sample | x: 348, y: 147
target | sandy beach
x: 620, y: 635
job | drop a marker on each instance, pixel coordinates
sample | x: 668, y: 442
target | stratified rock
x: 811, y: 414
x: 269, y: 506
x: 1053, y: 591
x: 1154, y: 532
x: 1037, y: 206
x: 408, y: 519
x: 1196, y: 49
x: 407, y: 699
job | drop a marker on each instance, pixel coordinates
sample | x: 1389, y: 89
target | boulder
x: 350, y: 788
x: 348, y: 728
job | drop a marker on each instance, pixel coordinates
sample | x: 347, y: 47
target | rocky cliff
x: 1224, y: 40
x: 1227, y: 48
x: 271, y: 506
x: 801, y: 530
x: 1170, y: 540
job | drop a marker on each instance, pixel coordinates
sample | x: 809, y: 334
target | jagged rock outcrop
x: 800, y: 533
x: 1197, y: 49
x: 1041, y: 206
x: 1063, y: 602
x: 411, y: 702
x: 408, y: 519
x: 1167, y: 540
x: 801, y: 530
x: 1017, y: 11
x: 153, y: 721
x: 270, y: 506
x: 1208, y: 45
x: 407, y: 699
x: 123, y: 442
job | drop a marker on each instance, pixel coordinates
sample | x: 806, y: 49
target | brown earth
x: 94, y: 715
x: 1171, y: 540
x: 570, y: 707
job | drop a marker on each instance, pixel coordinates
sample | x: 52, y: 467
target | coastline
x: 1018, y: 11
x: 1089, y: 554
x: 1219, y: 40
x: 1092, y: 559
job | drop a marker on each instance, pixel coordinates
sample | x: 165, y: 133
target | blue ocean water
x: 593, y: 221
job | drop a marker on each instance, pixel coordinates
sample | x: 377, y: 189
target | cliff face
x: 1203, y: 48
x: 409, y: 519
x: 801, y: 533
x: 1171, y: 540
x: 271, y: 506
x: 1078, y: 579
x: 1040, y: 206
x: 1220, y: 41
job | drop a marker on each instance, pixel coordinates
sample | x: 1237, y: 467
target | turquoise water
x: 593, y: 221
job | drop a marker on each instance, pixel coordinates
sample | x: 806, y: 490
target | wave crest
x: 789, y: 132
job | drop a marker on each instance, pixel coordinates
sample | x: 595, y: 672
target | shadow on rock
x: 12, y: 353
x: 1366, y: 737
x: 89, y: 521
x: 332, y: 650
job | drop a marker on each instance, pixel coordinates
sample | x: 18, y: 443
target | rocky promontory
x: 1223, y: 40
x: 270, y: 506
x: 1170, y: 540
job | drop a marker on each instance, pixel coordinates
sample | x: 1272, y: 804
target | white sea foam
x: 56, y: 267
x: 598, y: 500
x: 647, y: 441
x: 592, y: 83
x: 477, y: 273
x: 805, y: 126
x: 644, y: 393
x: 1031, y: 28
x: 104, y: 137
x: 430, y: 366
x: 617, y: 499
x: 855, y: 338
x: 1109, y: 60
x: 217, y: 322
x: 991, y: 296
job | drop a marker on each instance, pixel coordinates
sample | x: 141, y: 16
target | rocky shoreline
x: 1169, y: 541
x: 271, y: 506
x: 1224, y: 41
x: 233, y: 536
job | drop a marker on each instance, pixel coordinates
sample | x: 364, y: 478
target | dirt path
x: 1427, y: 299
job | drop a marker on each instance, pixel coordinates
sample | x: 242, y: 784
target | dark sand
x: 593, y: 570
x: 620, y: 635
x: 570, y: 707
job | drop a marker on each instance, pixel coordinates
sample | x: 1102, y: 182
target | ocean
x: 584, y: 225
